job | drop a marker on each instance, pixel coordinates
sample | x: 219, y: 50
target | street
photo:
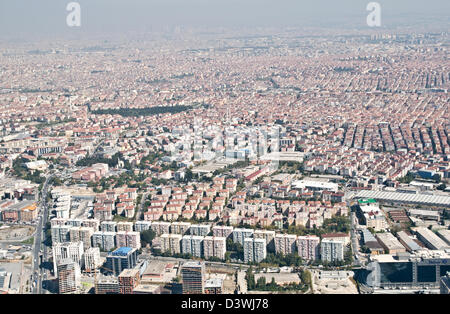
x: 40, y: 248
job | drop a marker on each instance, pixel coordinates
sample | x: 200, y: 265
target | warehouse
x: 406, y: 198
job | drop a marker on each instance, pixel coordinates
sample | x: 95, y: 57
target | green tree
x: 147, y: 236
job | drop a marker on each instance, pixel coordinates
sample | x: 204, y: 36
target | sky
x: 28, y: 18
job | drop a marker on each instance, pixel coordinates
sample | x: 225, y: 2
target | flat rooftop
x: 122, y: 251
x: 425, y: 199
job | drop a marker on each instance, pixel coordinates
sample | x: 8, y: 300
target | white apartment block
x: 83, y: 234
x: 255, y: 250
x: 60, y: 233
x: 268, y: 235
x: 128, y: 239
x: 160, y: 227
x: 332, y: 250
x: 222, y: 231
x: 104, y: 239
x: 214, y: 247
x: 140, y: 226
x: 92, y: 259
x: 308, y: 247
x: 171, y: 243
x: 125, y: 226
x: 200, y: 230
x: 192, y: 245
x: 285, y: 243
x: 67, y: 251
x: 239, y: 234
x: 180, y: 227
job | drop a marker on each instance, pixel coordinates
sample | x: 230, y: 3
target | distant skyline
x: 27, y: 19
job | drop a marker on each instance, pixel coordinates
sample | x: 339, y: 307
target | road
x: 39, y: 245
x: 141, y: 206
x: 241, y: 282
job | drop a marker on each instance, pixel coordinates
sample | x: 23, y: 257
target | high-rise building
x: 65, y: 251
x: 192, y: 245
x: 92, y: 259
x: 105, y: 240
x: 239, y: 234
x: 180, y: 227
x: 200, y: 230
x: 285, y: 243
x: 332, y: 250
x: 193, y: 277
x: 74, y: 222
x: 255, y: 250
x: 108, y: 226
x: 68, y: 276
x: 268, y: 235
x: 214, y: 247
x: 128, y: 280
x: 160, y: 227
x: 308, y: 247
x: 83, y: 234
x: 120, y: 259
x: 129, y: 239
x: 140, y: 226
x: 171, y: 243
x: 91, y: 223
x: 125, y: 226
x: 60, y: 233
x: 222, y: 231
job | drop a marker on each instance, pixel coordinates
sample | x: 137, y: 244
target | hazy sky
x: 48, y: 17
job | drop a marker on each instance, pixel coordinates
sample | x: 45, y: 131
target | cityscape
x: 246, y: 161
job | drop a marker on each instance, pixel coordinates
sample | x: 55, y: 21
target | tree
x: 147, y: 236
x: 261, y: 281
x: 188, y: 175
x: 250, y: 277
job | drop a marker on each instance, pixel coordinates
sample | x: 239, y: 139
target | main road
x: 40, y: 248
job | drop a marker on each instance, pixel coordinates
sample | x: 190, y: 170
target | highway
x: 39, y: 246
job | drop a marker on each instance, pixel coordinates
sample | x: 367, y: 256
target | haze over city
x: 224, y: 147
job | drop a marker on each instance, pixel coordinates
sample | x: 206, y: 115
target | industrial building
x: 390, y: 243
x: 128, y: 280
x: 423, y: 269
x: 408, y: 242
x: 405, y: 198
x: 214, y: 286
x: 430, y: 239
